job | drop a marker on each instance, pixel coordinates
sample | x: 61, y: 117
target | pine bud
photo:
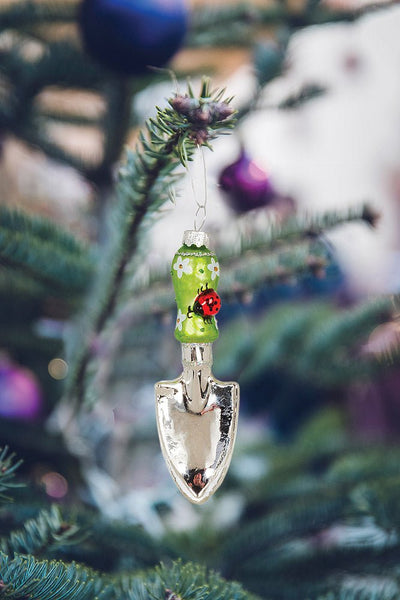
x: 183, y: 104
x: 221, y: 111
x: 200, y: 136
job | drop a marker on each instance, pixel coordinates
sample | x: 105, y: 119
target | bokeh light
x: 58, y: 368
x: 56, y: 485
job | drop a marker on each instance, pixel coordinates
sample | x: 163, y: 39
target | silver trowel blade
x: 197, y: 446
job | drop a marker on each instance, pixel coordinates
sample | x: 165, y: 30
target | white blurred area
x: 336, y: 151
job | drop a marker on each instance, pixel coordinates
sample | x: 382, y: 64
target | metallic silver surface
x: 196, y: 238
x: 197, y: 422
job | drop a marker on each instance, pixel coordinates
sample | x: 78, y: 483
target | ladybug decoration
x: 206, y: 304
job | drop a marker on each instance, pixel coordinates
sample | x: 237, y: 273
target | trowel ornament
x: 197, y: 414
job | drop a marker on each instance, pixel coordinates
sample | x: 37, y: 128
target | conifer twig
x: 25, y: 12
x: 235, y: 23
x: 170, y: 141
x: 8, y: 466
x: 45, y: 532
x: 57, y: 266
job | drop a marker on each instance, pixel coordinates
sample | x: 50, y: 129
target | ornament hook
x: 201, y: 211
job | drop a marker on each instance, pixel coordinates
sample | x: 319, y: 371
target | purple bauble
x: 20, y: 396
x: 246, y: 185
x: 129, y: 35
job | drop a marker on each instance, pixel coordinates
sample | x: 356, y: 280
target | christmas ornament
x: 20, y: 396
x: 246, y: 185
x: 130, y: 35
x: 196, y: 413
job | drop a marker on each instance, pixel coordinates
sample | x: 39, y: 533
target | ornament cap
x: 197, y: 354
x: 196, y: 238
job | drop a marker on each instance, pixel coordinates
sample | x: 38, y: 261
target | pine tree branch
x: 42, y: 534
x: 61, y: 64
x: 66, y: 118
x: 171, y: 140
x: 16, y: 221
x: 280, y: 253
x: 8, y: 467
x: 275, y: 557
x: 26, y: 577
x: 115, y: 126
x: 330, y: 340
x: 181, y: 581
x: 12, y: 338
x: 34, y: 135
x: 235, y: 24
x: 288, y: 523
x: 43, y: 251
x: 25, y: 12
x: 15, y: 283
x: 299, y: 227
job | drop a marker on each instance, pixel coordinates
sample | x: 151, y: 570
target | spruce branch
x: 60, y: 64
x: 43, y: 251
x: 279, y: 253
x: 302, y: 226
x: 285, y: 524
x: 168, y: 141
x: 190, y: 581
x: 16, y: 221
x: 25, y: 13
x: 8, y: 467
x: 42, y: 534
x: 330, y: 340
x: 66, y: 117
x: 27, y: 577
x: 235, y: 24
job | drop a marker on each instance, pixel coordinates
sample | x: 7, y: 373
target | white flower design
x: 179, y: 320
x: 182, y: 266
x: 214, y: 268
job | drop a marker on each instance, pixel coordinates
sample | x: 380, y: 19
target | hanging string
x: 200, y: 215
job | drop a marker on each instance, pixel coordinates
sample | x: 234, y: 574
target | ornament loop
x: 201, y: 211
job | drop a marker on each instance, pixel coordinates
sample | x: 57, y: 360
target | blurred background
x: 303, y: 206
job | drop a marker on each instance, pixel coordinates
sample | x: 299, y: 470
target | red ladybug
x: 206, y: 305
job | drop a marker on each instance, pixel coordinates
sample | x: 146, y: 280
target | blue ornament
x: 129, y: 35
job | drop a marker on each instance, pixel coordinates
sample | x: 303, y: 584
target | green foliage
x: 44, y: 533
x: 289, y: 541
x: 322, y: 523
x: 330, y: 341
x: 8, y: 467
x: 115, y: 546
x: 15, y: 221
x: 168, y: 141
x: 327, y: 518
x: 24, y: 576
x: 281, y: 253
x: 237, y: 23
x: 44, y: 252
x: 186, y: 582
x: 26, y: 12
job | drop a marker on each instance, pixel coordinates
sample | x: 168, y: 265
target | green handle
x: 194, y: 269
